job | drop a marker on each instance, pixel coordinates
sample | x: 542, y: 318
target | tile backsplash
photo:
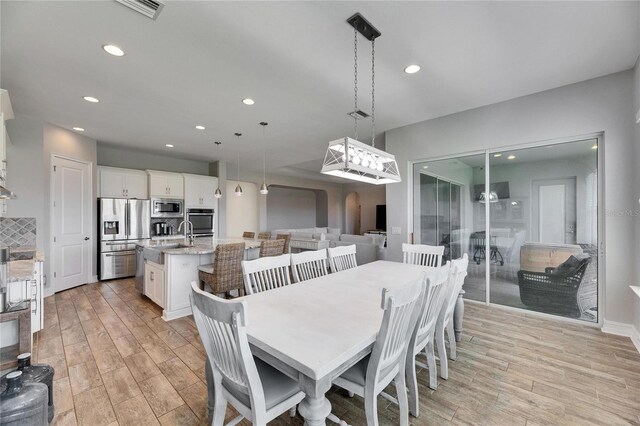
x: 18, y: 231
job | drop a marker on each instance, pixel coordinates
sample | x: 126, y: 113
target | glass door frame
x: 599, y: 136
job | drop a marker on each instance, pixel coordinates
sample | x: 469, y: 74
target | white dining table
x: 315, y: 330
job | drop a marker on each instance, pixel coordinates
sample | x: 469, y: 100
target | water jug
x: 40, y: 373
x: 23, y: 403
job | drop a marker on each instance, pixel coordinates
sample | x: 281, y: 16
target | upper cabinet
x: 199, y: 190
x: 122, y: 183
x: 165, y: 184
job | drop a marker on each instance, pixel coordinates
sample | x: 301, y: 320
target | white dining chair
x: 266, y: 273
x: 309, y: 264
x: 255, y: 389
x: 421, y: 254
x: 386, y: 363
x: 342, y: 258
x: 422, y: 337
x: 445, y: 318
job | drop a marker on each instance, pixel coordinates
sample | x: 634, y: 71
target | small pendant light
x: 263, y: 188
x: 218, y: 193
x: 238, y: 190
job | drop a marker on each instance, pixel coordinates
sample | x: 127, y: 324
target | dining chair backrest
x: 287, y: 240
x: 309, y: 264
x: 222, y: 325
x: 248, y: 234
x: 456, y: 280
x: 432, y: 304
x: 266, y: 273
x: 421, y: 254
x: 342, y: 258
x: 227, y: 267
x: 264, y: 235
x: 401, y: 311
x: 271, y: 248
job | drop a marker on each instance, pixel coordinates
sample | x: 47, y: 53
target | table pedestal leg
x: 315, y: 407
x: 458, y: 315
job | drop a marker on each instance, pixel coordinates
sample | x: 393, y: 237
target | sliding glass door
x: 540, y: 250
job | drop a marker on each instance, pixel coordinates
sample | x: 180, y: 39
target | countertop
x: 201, y: 246
x: 20, y: 270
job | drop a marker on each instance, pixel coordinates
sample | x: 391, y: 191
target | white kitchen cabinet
x: 165, y: 184
x: 122, y: 183
x: 30, y: 289
x: 199, y: 191
x: 154, y: 283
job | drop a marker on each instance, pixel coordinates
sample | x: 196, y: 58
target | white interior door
x: 71, y: 223
x: 554, y: 211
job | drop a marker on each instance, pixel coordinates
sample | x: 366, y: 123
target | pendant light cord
x: 238, y: 169
x: 355, y: 80
x: 373, y: 93
x: 264, y: 125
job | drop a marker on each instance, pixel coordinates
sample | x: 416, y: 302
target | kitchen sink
x: 155, y: 254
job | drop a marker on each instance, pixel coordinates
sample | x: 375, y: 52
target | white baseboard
x: 622, y: 329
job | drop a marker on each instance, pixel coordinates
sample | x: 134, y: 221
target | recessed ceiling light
x: 594, y: 146
x: 169, y: 145
x: 200, y: 127
x: 113, y: 50
x: 412, y: 69
x: 511, y: 157
x: 90, y: 99
x: 248, y: 101
x: 78, y: 129
x: 425, y: 167
x: 497, y: 155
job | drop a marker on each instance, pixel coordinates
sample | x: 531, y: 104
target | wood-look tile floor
x: 118, y: 362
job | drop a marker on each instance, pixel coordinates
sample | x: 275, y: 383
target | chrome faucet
x: 188, y: 230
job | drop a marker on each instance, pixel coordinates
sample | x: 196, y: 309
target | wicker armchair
x: 248, y: 234
x: 264, y: 235
x: 287, y: 240
x: 553, y: 292
x: 225, y: 274
x: 271, y: 248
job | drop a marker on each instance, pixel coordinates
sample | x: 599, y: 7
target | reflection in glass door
x: 541, y: 251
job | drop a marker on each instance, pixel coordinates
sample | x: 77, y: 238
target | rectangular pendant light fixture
x: 351, y: 159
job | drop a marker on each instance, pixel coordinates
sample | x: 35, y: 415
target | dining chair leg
x: 452, y: 341
x: 292, y: 411
x: 442, y: 352
x: 412, y: 384
x: 371, y: 407
x: 431, y: 363
x: 351, y: 394
x: 219, y: 410
x: 403, y: 403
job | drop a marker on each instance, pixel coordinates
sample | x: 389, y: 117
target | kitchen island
x: 169, y: 267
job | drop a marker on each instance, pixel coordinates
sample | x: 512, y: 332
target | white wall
x: 290, y: 208
x: 29, y: 173
x: 242, y: 212
x: 599, y: 105
x: 115, y: 156
x: 636, y: 110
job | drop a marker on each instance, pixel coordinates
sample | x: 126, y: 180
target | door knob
x: 86, y: 238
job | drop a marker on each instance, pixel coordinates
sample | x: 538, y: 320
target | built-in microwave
x: 203, y: 221
x: 163, y: 207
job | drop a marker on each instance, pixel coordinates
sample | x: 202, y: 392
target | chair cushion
x: 206, y: 268
x: 569, y: 266
x: 277, y: 387
x: 358, y: 373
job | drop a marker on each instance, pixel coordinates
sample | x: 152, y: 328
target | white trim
x: 178, y: 313
x: 622, y: 329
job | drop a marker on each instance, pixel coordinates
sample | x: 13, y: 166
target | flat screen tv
x: 381, y: 217
x: 500, y: 188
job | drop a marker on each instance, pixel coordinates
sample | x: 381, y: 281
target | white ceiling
x: 198, y: 60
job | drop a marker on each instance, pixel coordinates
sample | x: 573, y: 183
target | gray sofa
x: 369, y: 248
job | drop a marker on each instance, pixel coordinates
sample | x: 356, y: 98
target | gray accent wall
x: 115, y: 156
x: 290, y: 208
x: 603, y: 104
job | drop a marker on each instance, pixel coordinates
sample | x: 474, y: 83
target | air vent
x: 358, y: 114
x: 149, y: 8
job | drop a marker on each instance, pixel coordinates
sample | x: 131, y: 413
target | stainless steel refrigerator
x: 122, y: 224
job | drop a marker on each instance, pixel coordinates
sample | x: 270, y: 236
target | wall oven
x: 163, y: 207
x: 203, y: 221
